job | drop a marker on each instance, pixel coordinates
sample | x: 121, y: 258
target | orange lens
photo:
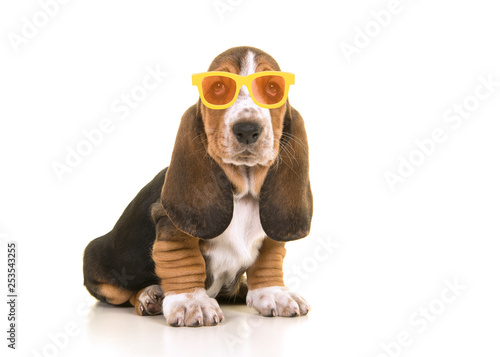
x: 268, y: 89
x: 218, y: 90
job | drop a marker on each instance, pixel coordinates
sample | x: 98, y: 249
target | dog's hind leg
x: 148, y: 301
x: 98, y: 280
x: 107, y: 285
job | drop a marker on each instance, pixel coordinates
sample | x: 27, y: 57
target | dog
x: 236, y: 190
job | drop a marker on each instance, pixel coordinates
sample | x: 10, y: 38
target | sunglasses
x: 219, y: 90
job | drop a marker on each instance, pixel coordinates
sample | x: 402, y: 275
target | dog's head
x: 245, y: 133
x: 223, y: 154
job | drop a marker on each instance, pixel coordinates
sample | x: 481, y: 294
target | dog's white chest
x: 238, y: 247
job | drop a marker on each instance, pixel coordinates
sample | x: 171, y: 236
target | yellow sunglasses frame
x: 243, y: 81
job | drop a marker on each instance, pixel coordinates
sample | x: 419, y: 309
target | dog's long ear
x: 196, y: 195
x: 286, y: 200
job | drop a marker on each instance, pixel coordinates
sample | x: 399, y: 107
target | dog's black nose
x: 247, y: 132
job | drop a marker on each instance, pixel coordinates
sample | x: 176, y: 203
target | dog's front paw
x: 277, y: 301
x: 191, y: 309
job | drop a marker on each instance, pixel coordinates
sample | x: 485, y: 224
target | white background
x: 394, y: 250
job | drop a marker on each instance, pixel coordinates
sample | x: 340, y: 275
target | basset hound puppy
x: 236, y: 190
